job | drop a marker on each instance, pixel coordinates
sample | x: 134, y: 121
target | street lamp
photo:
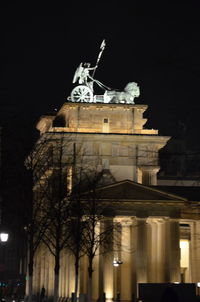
x: 117, y: 262
x: 3, y: 240
x: 198, y: 288
x: 3, y: 237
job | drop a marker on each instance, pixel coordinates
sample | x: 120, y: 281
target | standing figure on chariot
x: 84, y: 91
x: 82, y: 74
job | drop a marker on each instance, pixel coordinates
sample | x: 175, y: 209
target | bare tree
x: 34, y: 233
x: 56, y: 235
x: 35, y: 213
x: 76, y: 228
x: 56, y: 188
x: 73, y: 216
x: 95, y: 239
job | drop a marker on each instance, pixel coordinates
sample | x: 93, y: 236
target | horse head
x: 133, y: 89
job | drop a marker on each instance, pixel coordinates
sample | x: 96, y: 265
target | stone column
x: 152, y: 250
x: 71, y: 274
x: 63, y: 284
x: 37, y: 268
x: 108, y: 272
x: 117, y: 256
x: 125, y: 291
x: 134, y: 256
x: 195, y: 251
x: 158, y: 250
x: 149, y: 174
x: 141, y: 252
x: 161, y: 250
x: 95, y: 277
x: 174, y: 243
x: 101, y: 266
x: 167, y: 236
x: 49, y: 279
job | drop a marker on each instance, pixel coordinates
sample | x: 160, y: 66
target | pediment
x: 130, y: 190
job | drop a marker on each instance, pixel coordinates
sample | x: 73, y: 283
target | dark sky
x: 155, y: 45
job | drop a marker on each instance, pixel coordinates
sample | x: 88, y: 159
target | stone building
x: 159, y: 242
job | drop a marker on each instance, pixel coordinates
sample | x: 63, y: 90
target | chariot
x: 82, y: 93
x: 85, y: 91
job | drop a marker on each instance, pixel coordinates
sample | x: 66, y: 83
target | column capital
x: 124, y: 221
x: 157, y: 220
x: 149, y: 168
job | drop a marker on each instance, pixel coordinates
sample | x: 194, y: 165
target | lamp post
x: 198, y: 288
x: 116, y: 264
x: 3, y: 239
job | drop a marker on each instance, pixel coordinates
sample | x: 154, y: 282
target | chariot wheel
x: 81, y: 93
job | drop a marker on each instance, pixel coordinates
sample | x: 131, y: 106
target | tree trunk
x: 30, y: 288
x: 76, y: 279
x: 56, y: 277
x: 89, y: 294
x: 30, y: 277
x: 90, y: 271
x: 56, y: 285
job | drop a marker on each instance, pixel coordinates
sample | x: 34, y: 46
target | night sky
x: 155, y: 45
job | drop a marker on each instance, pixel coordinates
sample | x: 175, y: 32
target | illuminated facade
x: 158, y: 241
x: 112, y: 136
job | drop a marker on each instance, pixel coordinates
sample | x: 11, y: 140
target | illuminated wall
x: 185, y: 260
